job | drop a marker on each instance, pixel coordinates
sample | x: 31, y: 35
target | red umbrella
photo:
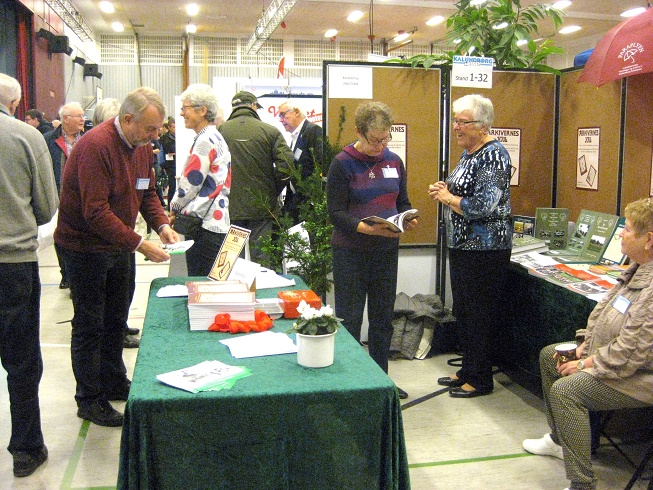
x: 627, y: 49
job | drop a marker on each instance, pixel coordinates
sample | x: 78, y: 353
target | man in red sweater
x: 107, y: 180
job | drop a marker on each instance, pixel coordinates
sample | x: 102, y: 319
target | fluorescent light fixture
x: 107, y: 7
x: 117, y: 26
x: 192, y: 9
x: 434, y: 21
x: 569, y: 29
x: 267, y: 24
x: 191, y: 28
x: 562, y: 4
x: 633, y: 12
x: 355, y: 16
x: 402, y: 36
x: 331, y: 33
x: 503, y: 25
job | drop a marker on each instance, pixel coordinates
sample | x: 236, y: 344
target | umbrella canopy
x: 627, y: 49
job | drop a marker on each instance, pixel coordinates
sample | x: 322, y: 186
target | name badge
x: 298, y: 153
x: 390, y: 173
x: 169, y: 157
x: 142, y: 184
x: 621, y: 304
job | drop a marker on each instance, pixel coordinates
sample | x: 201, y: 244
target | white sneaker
x: 544, y: 447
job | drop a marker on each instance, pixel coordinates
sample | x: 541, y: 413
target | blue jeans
x: 101, y: 284
x: 372, y: 275
x: 20, y: 351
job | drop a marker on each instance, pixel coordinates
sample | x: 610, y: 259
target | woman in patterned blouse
x: 476, y: 196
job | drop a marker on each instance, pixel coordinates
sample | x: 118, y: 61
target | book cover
x: 528, y: 243
x: 580, y: 236
x: 523, y: 226
x: 612, y: 254
x: 591, y: 236
x: 395, y: 222
x: 552, y: 226
x: 215, y: 287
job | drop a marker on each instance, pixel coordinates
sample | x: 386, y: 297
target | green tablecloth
x: 284, y: 427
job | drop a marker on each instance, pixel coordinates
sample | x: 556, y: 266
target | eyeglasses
x: 282, y: 115
x: 72, y: 115
x: 377, y: 142
x: 461, y: 123
x: 184, y: 107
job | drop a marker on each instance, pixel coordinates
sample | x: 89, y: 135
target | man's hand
x: 168, y: 235
x: 153, y: 252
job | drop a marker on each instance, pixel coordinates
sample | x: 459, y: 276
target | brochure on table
x: 552, y: 226
x: 591, y: 234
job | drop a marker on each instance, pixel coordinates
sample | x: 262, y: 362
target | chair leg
x: 640, y: 469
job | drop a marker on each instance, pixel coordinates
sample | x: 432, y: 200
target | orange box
x: 290, y: 301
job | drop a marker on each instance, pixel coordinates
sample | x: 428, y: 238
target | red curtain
x: 24, y: 60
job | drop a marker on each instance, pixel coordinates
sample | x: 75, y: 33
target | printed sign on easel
x: 229, y: 251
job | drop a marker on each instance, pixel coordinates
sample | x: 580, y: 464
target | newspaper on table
x: 205, y: 376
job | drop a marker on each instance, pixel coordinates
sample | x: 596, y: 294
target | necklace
x: 371, y: 174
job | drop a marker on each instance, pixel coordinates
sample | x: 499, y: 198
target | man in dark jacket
x: 36, y: 119
x: 60, y: 143
x: 258, y: 150
x: 169, y: 165
x: 306, y: 145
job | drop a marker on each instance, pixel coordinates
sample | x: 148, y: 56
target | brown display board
x: 522, y: 100
x: 414, y: 96
x: 582, y: 105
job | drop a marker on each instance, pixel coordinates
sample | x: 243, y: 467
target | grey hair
x: 201, y: 94
x: 65, y: 109
x: 9, y: 89
x: 374, y: 116
x: 481, y: 108
x: 293, y: 106
x: 140, y: 99
x: 105, y: 109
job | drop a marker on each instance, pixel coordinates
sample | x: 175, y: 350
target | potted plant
x: 499, y: 29
x: 315, y: 333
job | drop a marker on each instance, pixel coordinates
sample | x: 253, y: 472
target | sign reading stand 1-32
x: 472, y: 71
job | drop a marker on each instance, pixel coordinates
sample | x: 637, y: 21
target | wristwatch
x: 580, y: 365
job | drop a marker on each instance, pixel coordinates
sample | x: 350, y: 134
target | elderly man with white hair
x: 29, y: 199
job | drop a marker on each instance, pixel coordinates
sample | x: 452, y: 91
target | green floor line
x: 469, y: 460
x: 75, y: 456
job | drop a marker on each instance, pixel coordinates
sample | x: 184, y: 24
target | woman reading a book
x: 476, y: 197
x: 366, y: 179
x: 613, y: 368
x: 203, y: 190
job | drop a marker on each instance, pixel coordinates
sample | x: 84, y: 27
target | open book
x: 396, y: 222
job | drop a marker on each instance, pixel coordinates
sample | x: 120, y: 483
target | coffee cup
x: 566, y: 352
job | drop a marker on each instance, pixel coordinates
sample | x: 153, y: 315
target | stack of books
x: 206, y: 299
x: 528, y: 243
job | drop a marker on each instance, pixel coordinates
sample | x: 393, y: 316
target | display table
x: 539, y: 313
x: 283, y: 427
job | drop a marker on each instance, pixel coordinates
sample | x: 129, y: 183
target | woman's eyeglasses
x: 377, y: 142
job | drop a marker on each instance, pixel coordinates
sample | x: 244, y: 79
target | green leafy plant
x: 315, y: 322
x: 496, y: 29
x: 310, y: 253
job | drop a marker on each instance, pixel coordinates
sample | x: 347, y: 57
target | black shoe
x: 100, y: 413
x: 120, y: 393
x: 25, y: 463
x: 402, y: 394
x: 131, y: 342
x: 449, y: 381
x: 458, y: 392
x: 64, y: 284
x: 133, y: 331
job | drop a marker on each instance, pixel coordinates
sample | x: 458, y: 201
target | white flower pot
x: 315, y: 350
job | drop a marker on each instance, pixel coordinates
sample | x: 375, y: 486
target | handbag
x: 190, y: 226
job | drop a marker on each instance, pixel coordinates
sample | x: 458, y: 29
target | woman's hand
x: 377, y: 229
x: 571, y: 367
x: 435, y: 189
x: 411, y: 224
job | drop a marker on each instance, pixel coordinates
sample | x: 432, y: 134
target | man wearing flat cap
x: 258, y: 151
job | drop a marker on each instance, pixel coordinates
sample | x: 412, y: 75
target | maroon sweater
x: 99, y: 200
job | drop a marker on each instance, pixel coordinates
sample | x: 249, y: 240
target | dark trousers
x: 371, y: 275
x: 172, y: 181
x: 20, y: 351
x: 477, y: 285
x: 201, y: 256
x: 101, y: 284
x: 258, y: 228
x: 62, y: 264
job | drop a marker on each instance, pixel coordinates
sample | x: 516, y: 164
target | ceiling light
x: 503, y: 25
x: 269, y: 21
x: 117, y: 27
x: 331, y: 33
x: 434, y: 21
x: 633, y: 12
x: 562, y: 4
x: 191, y: 29
x: 569, y: 29
x: 401, y: 36
x: 355, y: 16
x: 192, y: 9
x: 107, y: 7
